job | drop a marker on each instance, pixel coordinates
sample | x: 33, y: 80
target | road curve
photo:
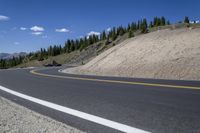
x: 144, y: 104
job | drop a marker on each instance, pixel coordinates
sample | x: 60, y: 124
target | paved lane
x: 150, y: 108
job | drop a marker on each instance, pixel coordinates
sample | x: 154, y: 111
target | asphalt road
x: 159, y: 106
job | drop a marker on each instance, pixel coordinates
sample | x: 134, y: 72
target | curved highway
x: 106, y: 104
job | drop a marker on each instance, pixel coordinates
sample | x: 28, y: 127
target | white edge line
x: 92, y: 118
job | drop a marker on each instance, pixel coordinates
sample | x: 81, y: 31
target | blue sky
x: 28, y: 25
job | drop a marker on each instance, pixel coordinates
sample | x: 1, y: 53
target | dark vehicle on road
x: 54, y: 63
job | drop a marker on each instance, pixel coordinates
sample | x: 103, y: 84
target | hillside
x: 77, y: 57
x: 81, y: 50
x: 80, y: 57
x: 166, y: 54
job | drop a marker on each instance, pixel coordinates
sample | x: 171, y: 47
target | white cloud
x: 93, y: 33
x: 16, y: 43
x: 23, y: 28
x: 62, y: 30
x: 109, y: 29
x: 37, y: 28
x: 4, y: 18
x: 37, y: 33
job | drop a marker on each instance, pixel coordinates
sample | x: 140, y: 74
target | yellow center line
x: 116, y: 81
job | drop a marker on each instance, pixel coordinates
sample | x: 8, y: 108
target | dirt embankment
x: 163, y: 54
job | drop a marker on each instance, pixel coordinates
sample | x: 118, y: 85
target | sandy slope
x: 167, y: 54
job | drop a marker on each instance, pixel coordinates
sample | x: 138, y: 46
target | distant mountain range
x: 9, y: 56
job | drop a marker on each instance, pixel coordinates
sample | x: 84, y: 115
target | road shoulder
x: 16, y: 118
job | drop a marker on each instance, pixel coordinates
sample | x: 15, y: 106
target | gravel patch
x: 18, y: 119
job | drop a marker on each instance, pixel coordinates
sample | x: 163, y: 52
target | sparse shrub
x: 130, y: 34
x: 107, y: 42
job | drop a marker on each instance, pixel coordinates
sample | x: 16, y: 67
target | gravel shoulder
x: 18, y: 119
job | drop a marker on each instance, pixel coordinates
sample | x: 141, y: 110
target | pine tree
x: 81, y: 44
x: 186, y: 20
x: 113, y: 34
x: 120, y: 31
x: 157, y: 21
x: 129, y: 27
x: 163, y: 21
x: 50, y: 51
x: 72, y: 46
x: 168, y: 22
x: 133, y: 27
x: 151, y: 25
x: 68, y: 46
x: 77, y: 44
x: 144, y: 26
x: 139, y: 25
x: 103, y: 35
